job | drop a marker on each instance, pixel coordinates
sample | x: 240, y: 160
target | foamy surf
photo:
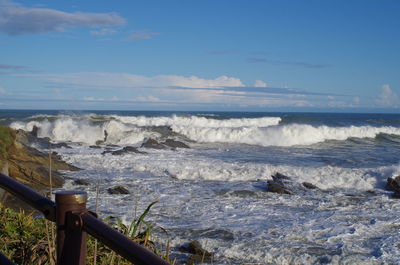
x: 127, y: 130
x: 216, y: 191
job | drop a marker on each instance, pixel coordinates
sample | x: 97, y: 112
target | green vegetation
x: 24, y: 239
x: 7, y: 136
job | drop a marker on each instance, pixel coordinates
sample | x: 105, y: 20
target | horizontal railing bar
x: 4, y: 260
x: 120, y: 243
x: 26, y: 194
x: 115, y: 240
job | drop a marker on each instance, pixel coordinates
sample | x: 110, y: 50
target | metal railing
x: 73, y: 222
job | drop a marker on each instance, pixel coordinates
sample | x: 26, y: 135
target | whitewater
x: 216, y: 190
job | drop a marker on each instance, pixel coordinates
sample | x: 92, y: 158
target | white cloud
x: 113, y: 80
x: 149, y: 98
x: 16, y: 19
x: 260, y: 83
x: 388, y: 97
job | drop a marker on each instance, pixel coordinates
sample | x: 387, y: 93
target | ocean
x: 216, y: 191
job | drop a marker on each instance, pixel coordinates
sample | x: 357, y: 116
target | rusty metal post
x: 71, y: 238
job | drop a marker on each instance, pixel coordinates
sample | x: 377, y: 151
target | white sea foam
x: 283, y: 135
x: 186, y: 165
x: 199, y: 122
x: 256, y: 131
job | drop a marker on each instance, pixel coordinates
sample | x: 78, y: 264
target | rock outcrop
x: 118, y: 190
x: 278, y: 184
x: 393, y: 184
x: 167, y: 144
x: 125, y: 150
x: 198, y: 253
x: 29, y: 165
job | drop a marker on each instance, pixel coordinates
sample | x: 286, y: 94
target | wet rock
x: 118, y: 190
x: 278, y: 177
x: 278, y: 187
x: 99, y: 142
x: 81, y: 182
x: 219, y: 234
x: 125, y: 150
x: 199, y: 254
x: 243, y: 193
x: 396, y: 195
x: 35, y: 131
x: 31, y: 166
x: 393, y: 184
x: 154, y: 144
x: 60, y: 145
x: 56, y: 156
x: 175, y: 144
x: 309, y: 185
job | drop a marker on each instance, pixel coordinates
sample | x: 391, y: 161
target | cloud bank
x: 16, y: 19
x: 123, y: 80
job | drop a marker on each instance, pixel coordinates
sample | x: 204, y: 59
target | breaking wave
x: 266, y: 131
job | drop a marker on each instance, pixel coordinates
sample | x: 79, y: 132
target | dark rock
x: 131, y: 149
x: 81, y: 182
x: 151, y: 143
x: 199, y: 254
x: 35, y: 131
x: 31, y: 166
x: 95, y: 146
x: 309, y: 185
x: 56, y: 156
x: 99, y: 142
x: 278, y: 188
x: 396, y: 195
x: 243, y: 193
x: 393, y: 184
x: 278, y: 177
x: 60, y: 145
x: 198, y: 259
x: 125, y: 150
x: 175, y: 144
x: 118, y: 190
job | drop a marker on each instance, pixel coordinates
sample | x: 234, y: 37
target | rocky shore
x: 28, y: 165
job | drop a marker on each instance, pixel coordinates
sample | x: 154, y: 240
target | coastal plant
x: 24, y: 239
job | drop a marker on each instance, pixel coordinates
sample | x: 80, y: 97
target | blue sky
x: 239, y: 55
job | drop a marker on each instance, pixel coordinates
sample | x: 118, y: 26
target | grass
x: 24, y: 239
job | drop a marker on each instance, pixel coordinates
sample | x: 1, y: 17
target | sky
x: 217, y: 55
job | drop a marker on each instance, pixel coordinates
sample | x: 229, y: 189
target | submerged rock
x: 199, y: 254
x: 118, y: 190
x: 396, y: 195
x: 393, y: 184
x: 278, y: 188
x: 278, y: 177
x: 154, y: 144
x: 309, y: 185
x: 125, y: 150
x: 81, y: 182
x: 60, y: 145
x: 175, y: 144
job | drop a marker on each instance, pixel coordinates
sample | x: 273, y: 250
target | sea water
x: 215, y: 192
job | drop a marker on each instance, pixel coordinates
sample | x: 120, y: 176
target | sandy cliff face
x: 29, y: 165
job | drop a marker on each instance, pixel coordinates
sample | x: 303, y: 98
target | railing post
x: 71, y: 238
